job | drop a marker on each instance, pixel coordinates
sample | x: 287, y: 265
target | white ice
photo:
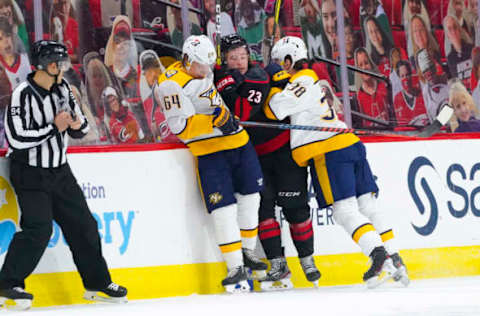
x: 453, y: 296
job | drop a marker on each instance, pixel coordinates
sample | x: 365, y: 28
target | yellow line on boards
x: 204, y: 278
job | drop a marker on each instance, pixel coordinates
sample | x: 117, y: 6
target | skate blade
x: 388, y: 273
x: 257, y: 275
x: 94, y: 296
x: 377, y: 281
x: 16, y: 305
x: 280, y: 285
x: 402, y: 276
x: 315, y: 283
x: 240, y: 287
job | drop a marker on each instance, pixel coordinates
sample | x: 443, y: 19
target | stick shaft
x: 218, y: 31
x: 322, y: 129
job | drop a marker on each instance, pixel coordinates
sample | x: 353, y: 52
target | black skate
x: 380, y: 263
x: 278, y: 278
x: 22, y: 299
x: 236, y: 281
x: 402, y: 274
x: 113, y: 293
x: 258, y: 268
x: 311, y: 272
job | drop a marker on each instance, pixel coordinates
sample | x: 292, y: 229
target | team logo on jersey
x: 8, y: 214
x: 225, y: 82
x: 260, y: 182
x: 212, y: 94
x: 215, y: 198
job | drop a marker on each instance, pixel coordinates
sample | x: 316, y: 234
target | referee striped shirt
x: 30, y: 131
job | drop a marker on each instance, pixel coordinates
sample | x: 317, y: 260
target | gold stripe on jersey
x: 234, y: 246
x: 177, y: 73
x: 304, y: 72
x: 249, y: 233
x: 215, y: 144
x: 323, y: 179
x: 196, y: 125
x: 266, y: 106
x: 386, y: 236
x: 304, y: 153
x: 362, y: 230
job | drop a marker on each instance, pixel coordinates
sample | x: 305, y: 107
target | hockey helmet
x: 230, y: 42
x: 289, y: 46
x: 199, y: 48
x: 47, y: 52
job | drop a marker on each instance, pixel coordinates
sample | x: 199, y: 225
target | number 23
x: 254, y: 96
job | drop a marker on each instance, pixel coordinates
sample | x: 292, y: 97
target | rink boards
x: 158, y: 239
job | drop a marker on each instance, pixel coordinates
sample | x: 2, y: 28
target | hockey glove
x: 273, y: 68
x: 224, y: 121
x: 279, y: 77
x: 237, y: 76
x: 224, y: 81
x: 228, y: 80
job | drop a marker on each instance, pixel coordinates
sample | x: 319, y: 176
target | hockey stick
x: 218, y: 33
x: 278, y: 4
x: 442, y: 118
x: 446, y: 110
x: 326, y: 129
x: 385, y: 79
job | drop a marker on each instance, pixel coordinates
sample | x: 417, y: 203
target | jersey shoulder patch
x: 280, y: 76
x: 170, y: 73
x: 175, y: 72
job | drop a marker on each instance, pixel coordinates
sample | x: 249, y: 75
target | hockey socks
x: 302, y: 236
x: 227, y: 234
x: 346, y: 214
x: 367, y: 206
x: 269, y: 232
x: 248, y: 218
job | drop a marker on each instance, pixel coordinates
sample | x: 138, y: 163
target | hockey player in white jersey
x: 339, y: 169
x: 228, y: 169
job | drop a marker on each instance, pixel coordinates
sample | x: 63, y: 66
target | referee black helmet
x: 46, y: 52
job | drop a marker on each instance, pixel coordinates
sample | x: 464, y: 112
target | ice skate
x: 258, y: 268
x: 311, y: 272
x: 113, y: 293
x: 278, y: 278
x: 22, y: 299
x: 401, y: 274
x: 380, y: 263
x: 236, y: 281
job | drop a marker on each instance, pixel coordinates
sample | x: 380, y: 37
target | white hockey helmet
x: 289, y: 46
x: 200, y: 49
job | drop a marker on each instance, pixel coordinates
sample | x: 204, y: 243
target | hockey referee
x: 42, y: 112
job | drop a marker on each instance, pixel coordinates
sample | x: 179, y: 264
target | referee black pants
x: 45, y: 195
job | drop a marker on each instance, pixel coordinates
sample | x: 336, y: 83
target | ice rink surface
x: 456, y: 296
